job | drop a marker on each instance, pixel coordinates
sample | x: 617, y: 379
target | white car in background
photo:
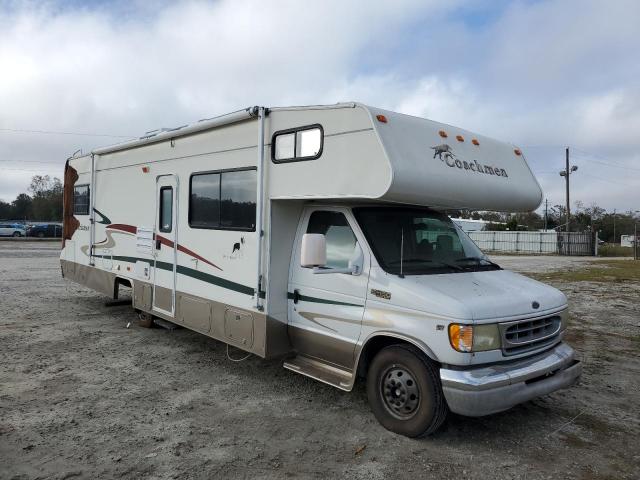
x: 12, y: 230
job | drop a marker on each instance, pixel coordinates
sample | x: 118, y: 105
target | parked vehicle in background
x: 49, y: 230
x: 12, y: 230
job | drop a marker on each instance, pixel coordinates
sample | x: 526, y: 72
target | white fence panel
x: 574, y: 243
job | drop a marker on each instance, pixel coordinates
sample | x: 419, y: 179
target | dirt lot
x: 82, y: 396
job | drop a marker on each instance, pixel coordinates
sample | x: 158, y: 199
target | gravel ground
x: 83, y: 396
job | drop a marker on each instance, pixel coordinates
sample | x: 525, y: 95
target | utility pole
x: 565, y: 173
x: 546, y: 207
x: 614, y: 226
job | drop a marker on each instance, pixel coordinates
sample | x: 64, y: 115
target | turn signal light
x: 381, y: 118
x: 442, y: 133
x: 461, y: 337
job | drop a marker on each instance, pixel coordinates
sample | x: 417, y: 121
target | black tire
x: 17, y: 234
x: 41, y: 235
x: 413, y: 406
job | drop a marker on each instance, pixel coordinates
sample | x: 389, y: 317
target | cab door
x: 326, y: 310
x: 165, y: 245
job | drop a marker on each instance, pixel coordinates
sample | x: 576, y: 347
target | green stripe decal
x: 220, y: 282
x: 305, y: 298
x: 189, y: 272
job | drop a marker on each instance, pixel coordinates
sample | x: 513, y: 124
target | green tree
x: 47, y: 198
x: 21, y: 207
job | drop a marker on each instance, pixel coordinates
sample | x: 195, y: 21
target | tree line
x: 42, y: 203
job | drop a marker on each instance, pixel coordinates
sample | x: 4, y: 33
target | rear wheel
x: 40, y: 234
x: 17, y: 234
x: 404, y: 391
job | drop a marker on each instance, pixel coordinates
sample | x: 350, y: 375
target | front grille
x: 526, y: 335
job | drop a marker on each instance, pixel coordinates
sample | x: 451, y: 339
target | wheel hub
x: 400, y: 392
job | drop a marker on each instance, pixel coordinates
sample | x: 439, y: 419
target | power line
x: 3, y: 169
x: 47, y: 132
x: 32, y: 161
x: 607, y: 180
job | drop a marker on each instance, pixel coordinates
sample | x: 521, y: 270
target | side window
x: 303, y: 143
x: 341, y: 241
x: 238, y: 200
x: 81, y: 200
x: 223, y: 200
x: 204, y: 201
x: 166, y: 209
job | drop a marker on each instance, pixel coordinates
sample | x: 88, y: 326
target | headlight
x: 474, y: 338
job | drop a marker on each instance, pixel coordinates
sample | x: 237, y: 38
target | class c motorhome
x: 316, y: 234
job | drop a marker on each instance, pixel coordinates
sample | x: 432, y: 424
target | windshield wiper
x: 479, y: 259
x: 425, y: 260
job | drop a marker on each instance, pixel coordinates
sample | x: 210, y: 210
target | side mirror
x: 314, y: 250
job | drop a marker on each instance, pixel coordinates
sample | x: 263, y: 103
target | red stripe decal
x: 183, y: 249
x: 123, y: 228
x: 164, y: 241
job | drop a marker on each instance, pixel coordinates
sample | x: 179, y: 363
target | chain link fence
x: 551, y: 243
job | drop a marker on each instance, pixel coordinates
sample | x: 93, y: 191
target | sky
x: 543, y: 75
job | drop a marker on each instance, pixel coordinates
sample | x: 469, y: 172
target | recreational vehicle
x: 317, y: 235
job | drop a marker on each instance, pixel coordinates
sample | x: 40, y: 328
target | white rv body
x: 245, y: 285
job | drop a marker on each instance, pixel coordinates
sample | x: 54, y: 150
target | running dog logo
x: 236, y: 251
x: 443, y: 149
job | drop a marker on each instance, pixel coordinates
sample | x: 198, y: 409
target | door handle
x: 296, y: 295
x: 158, y: 244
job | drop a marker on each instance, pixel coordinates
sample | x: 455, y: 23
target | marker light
x: 145, y: 169
x: 381, y: 118
x: 461, y: 337
x: 460, y: 138
x: 517, y: 152
x: 442, y: 133
x: 475, y: 142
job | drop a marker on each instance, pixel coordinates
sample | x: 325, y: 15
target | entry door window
x: 341, y: 241
x: 166, y: 209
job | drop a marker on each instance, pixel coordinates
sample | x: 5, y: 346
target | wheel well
x: 116, y: 286
x: 373, y: 346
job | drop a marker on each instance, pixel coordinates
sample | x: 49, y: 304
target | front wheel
x: 17, y: 234
x: 404, y: 391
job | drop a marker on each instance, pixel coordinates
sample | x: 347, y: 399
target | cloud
x: 536, y: 73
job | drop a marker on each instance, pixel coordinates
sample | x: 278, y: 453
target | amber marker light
x: 381, y: 118
x: 460, y: 138
x: 442, y: 133
x: 461, y: 337
x: 475, y: 142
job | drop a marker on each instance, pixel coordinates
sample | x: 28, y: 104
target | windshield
x: 419, y: 241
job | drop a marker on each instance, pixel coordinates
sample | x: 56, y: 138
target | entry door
x: 326, y: 310
x: 165, y: 245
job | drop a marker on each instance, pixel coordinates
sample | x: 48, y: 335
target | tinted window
x: 238, y: 194
x: 225, y: 200
x: 81, y: 200
x: 204, y: 205
x: 341, y: 241
x: 166, y: 209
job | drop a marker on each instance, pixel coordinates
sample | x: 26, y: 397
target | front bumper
x: 486, y: 390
